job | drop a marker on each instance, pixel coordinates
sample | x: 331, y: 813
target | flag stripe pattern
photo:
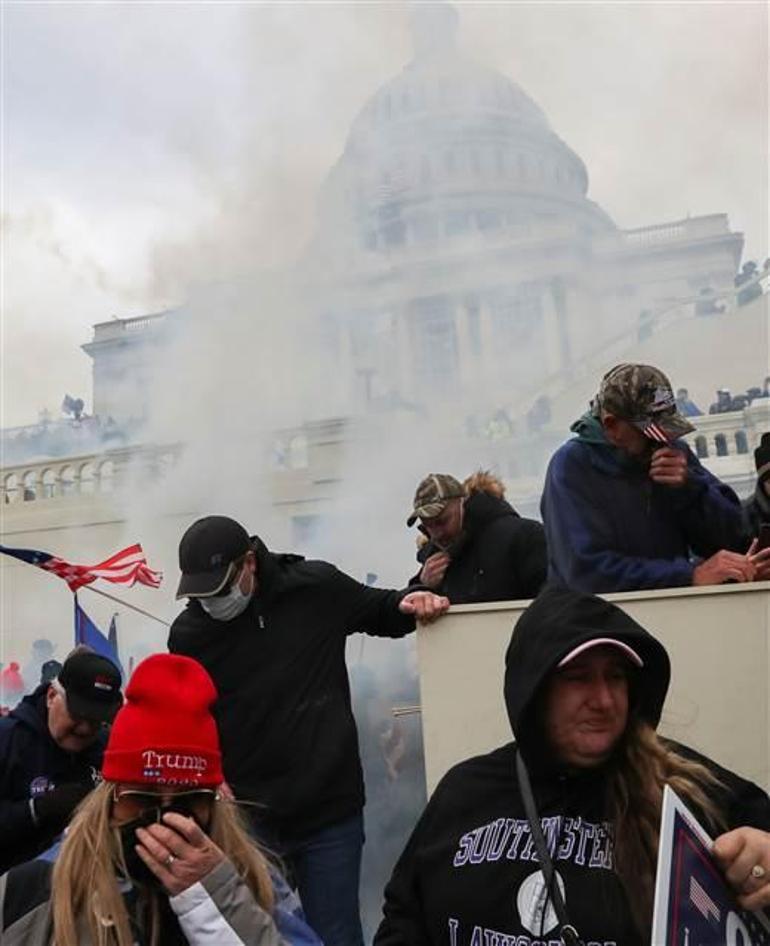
x: 654, y: 432
x: 125, y: 567
x: 702, y: 900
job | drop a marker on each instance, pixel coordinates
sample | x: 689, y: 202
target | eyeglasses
x: 134, y: 802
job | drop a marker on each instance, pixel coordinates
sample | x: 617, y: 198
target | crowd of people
x: 226, y: 788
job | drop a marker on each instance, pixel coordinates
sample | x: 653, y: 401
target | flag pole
x: 125, y: 604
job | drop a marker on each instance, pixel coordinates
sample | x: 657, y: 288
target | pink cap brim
x: 600, y: 642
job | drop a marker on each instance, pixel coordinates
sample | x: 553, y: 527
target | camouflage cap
x: 642, y: 395
x: 432, y: 495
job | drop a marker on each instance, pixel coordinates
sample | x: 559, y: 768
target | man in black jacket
x: 50, y: 753
x: 271, y: 630
x: 478, y: 547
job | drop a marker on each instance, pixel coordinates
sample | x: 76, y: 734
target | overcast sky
x: 149, y: 146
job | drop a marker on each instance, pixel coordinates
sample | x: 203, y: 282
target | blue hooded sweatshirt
x: 609, y: 527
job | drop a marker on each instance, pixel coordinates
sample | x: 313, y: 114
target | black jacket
x: 31, y: 763
x: 289, y: 740
x: 501, y: 556
x: 469, y: 873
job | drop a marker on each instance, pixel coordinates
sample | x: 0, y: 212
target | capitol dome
x: 450, y: 146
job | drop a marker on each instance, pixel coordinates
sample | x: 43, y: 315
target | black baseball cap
x: 91, y: 685
x: 206, y: 555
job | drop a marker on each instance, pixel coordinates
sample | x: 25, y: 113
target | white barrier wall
x: 717, y: 639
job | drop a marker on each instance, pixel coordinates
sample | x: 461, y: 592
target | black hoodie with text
x: 469, y: 874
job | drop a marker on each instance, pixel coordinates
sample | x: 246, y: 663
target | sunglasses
x: 135, y: 802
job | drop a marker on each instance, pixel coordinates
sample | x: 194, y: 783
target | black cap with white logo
x: 206, y: 554
x: 91, y: 685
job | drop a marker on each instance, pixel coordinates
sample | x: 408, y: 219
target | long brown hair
x: 645, y: 764
x: 84, y: 887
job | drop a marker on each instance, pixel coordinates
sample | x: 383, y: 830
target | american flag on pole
x: 125, y: 567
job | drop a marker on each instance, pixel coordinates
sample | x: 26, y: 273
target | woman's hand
x: 744, y: 856
x: 177, y: 852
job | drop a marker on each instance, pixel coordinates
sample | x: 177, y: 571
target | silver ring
x: 758, y: 872
x: 172, y: 857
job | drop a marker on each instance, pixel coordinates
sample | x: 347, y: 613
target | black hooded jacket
x: 500, y: 557
x: 289, y: 741
x: 31, y: 764
x: 469, y: 875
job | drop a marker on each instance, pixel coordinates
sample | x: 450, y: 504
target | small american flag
x: 703, y: 901
x: 125, y: 567
x: 655, y: 432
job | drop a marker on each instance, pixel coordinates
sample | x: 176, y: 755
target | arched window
x: 107, y: 477
x: 701, y: 447
x: 49, y: 484
x: 720, y: 442
x: 68, y: 481
x: 30, y: 486
x: 88, y: 478
x: 11, y: 488
x: 741, y: 443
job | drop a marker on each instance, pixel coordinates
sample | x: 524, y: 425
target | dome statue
x: 451, y: 146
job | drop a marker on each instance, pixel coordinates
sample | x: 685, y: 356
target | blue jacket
x: 610, y: 528
x: 31, y: 763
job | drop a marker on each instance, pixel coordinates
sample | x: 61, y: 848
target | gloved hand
x: 53, y: 809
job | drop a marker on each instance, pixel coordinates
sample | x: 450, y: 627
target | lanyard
x: 569, y: 935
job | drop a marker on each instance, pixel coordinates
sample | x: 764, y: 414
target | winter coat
x: 289, y: 741
x: 609, y: 527
x: 469, y: 874
x: 31, y: 763
x: 219, y: 910
x: 500, y: 557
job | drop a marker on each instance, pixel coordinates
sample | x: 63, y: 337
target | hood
x: 483, y: 504
x: 604, y: 456
x: 31, y: 711
x: 482, y: 508
x: 557, y: 621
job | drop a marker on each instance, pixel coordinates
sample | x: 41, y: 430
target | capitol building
x: 460, y: 277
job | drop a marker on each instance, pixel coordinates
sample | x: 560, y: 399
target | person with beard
x: 478, y: 547
x: 51, y: 748
x: 627, y: 505
x: 155, y: 856
x: 584, y: 690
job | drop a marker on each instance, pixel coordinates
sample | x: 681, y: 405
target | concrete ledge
x: 717, y: 639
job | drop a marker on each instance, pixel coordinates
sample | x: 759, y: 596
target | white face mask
x: 228, y: 606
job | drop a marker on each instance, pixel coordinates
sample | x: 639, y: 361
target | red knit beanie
x: 165, y: 734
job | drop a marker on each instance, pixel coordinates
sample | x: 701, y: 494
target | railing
x: 75, y: 476
x: 117, y: 327
x: 731, y: 434
x: 687, y: 229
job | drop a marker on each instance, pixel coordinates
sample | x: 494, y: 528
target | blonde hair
x: 84, y: 886
x: 635, y: 796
